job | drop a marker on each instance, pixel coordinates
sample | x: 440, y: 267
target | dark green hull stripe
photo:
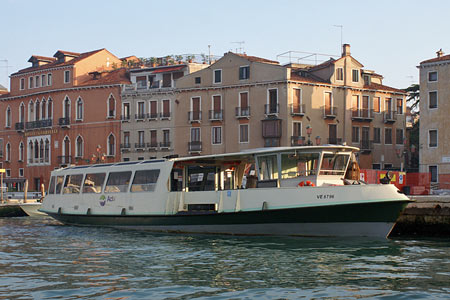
x: 365, y: 212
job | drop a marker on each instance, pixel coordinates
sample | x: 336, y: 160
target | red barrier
x: 374, y: 176
x: 419, y: 183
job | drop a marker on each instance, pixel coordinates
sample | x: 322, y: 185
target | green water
x: 41, y: 259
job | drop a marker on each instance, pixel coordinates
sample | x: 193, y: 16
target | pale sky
x: 388, y: 37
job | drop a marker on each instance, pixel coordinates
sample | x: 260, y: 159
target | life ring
x: 305, y: 183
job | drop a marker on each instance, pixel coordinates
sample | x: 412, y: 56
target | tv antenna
x: 241, y: 48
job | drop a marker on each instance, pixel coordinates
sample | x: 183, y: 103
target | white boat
x: 32, y: 209
x: 299, y: 191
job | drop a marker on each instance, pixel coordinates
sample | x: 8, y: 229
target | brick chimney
x: 345, y: 50
x: 440, y: 53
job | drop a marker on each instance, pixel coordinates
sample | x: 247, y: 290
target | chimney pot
x: 345, y: 50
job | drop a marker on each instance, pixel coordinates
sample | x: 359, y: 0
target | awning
x: 14, y: 180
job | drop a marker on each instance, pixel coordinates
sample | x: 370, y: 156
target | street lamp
x: 308, y: 132
x: 318, y: 140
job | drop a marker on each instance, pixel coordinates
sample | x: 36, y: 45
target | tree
x: 413, y: 96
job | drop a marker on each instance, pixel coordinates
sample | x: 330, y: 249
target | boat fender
x: 305, y: 183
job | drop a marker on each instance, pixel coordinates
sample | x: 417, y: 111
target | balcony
x: 366, y: 146
x: 297, y: 110
x: 164, y: 145
x: 64, y: 160
x: 389, y: 116
x: 243, y: 112
x: 194, y: 116
x: 165, y: 115
x: 297, y: 140
x: 152, y: 146
x: 64, y: 122
x: 363, y: 115
x: 271, y: 109
x: 140, y: 116
x: 153, y: 116
x: 139, y: 146
x: 216, y: 115
x: 195, y: 146
x: 125, y: 118
x: 125, y: 147
x: 20, y: 126
x: 334, y: 141
x: 329, y: 112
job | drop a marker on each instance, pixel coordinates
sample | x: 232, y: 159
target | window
x: 140, y: 110
x: 153, y: 110
x: 388, y: 136
x: 79, y: 115
x: 79, y: 147
x: 145, y: 181
x: 244, y: 108
x: 8, y: 117
x: 165, y: 109
x: 377, y: 135
x: 166, y: 138
x: 118, y: 182
x: 37, y: 81
x: 216, y: 135
x: 8, y: 152
x: 111, y: 107
x: 21, y: 172
x: 126, y: 139
x: 434, y: 173
x: 153, y: 139
x: 141, y: 140
x: 59, y: 184
x: 243, y: 133
x: 297, y: 129
x: 22, y: 83
x: 93, y: 183
x: 216, y: 113
x: 376, y: 166
x: 47, y: 151
x: 72, y: 185
x: 244, y: 72
x: 376, y: 104
x: 432, y: 76
x: 432, y: 99
x: 340, y: 74
x: 198, y: 80
x: 8, y: 172
x: 21, y: 147
x: 49, y: 108
x: 49, y: 79
x: 43, y: 109
x: 66, y: 76
x: 37, y: 110
x: 111, y: 145
x: 272, y: 101
x: 355, y: 134
x: 126, y: 111
x: 195, y: 134
x: 388, y: 105
x: 366, y: 79
x: 399, y: 106
x: 43, y: 80
x: 30, y: 83
x: 66, y: 111
x: 432, y: 138
x: 217, y: 76
x: 355, y: 75
x: 399, y: 136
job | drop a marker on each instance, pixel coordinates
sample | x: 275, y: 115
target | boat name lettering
x: 104, y: 199
x: 325, y: 196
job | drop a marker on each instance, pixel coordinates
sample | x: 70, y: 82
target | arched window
x: 111, y: 107
x: 66, y: 110
x: 41, y: 151
x: 36, y: 151
x: 8, y: 117
x: 30, y: 152
x: 30, y: 111
x: 8, y: 152
x: 111, y: 145
x: 22, y: 112
x: 66, y: 151
x: 37, y: 111
x: 21, y: 151
x: 47, y: 151
x: 79, y: 147
x: 44, y: 109
x: 79, y: 109
x: 50, y: 108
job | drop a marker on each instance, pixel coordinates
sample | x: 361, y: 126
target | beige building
x: 242, y: 102
x: 148, y: 113
x: 434, y: 122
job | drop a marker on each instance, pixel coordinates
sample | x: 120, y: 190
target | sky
x: 388, y: 37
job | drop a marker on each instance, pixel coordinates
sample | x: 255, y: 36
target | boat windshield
x: 334, y: 164
x: 298, y: 164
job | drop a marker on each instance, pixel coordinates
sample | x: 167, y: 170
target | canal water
x: 41, y: 259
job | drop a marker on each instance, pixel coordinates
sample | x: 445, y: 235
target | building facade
x: 434, y: 139
x: 62, y: 110
x: 243, y: 102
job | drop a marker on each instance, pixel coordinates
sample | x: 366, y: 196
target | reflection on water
x: 41, y: 259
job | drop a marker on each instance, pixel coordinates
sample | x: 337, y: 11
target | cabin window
x: 145, y: 181
x: 201, y: 178
x: 118, y: 182
x: 51, y: 189
x: 334, y: 164
x: 72, y: 185
x: 298, y: 164
x: 59, y: 184
x: 268, y: 167
x: 93, y: 183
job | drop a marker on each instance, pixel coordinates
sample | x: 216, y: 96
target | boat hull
x: 361, y: 219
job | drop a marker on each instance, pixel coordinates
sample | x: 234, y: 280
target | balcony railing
x: 364, y: 114
x: 140, y: 116
x: 195, y: 146
x: 164, y: 145
x: 298, y: 110
x: 20, y: 126
x: 216, y: 115
x: 165, y: 115
x: 334, y: 141
x: 152, y: 145
x: 64, y: 160
x: 139, y: 146
x: 329, y: 112
x: 64, y: 121
x: 297, y: 140
x: 390, y: 116
x: 366, y: 145
x: 153, y: 116
x: 194, y: 116
x: 243, y: 112
x: 125, y: 118
x: 271, y: 109
x: 125, y: 146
